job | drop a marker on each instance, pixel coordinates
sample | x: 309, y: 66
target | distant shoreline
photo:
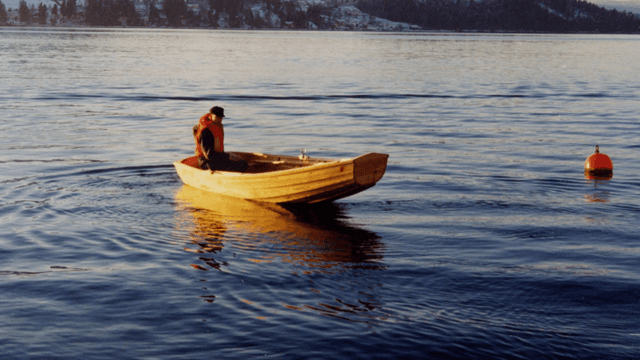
x: 420, y: 31
x: 542, y: 19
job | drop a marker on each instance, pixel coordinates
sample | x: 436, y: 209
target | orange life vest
x: 206, y: 122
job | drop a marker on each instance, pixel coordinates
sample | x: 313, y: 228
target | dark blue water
x: 483, y: 240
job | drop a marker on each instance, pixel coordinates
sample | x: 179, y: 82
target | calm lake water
x: 484, y: 239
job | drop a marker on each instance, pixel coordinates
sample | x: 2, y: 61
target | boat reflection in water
x: 315, y: 236
x: 280, y: 243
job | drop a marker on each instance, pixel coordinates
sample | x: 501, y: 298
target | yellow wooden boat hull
x: 287, y: 179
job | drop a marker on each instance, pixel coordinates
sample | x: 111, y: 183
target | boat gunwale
x: 316, y: 165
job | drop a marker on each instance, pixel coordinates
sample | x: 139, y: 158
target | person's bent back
x: 209, y: 138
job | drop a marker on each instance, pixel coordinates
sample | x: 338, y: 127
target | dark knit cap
x: 218, y: 111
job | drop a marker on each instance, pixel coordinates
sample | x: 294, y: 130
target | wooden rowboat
x: 287, y: 179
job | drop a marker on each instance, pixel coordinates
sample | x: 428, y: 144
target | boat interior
x: 261, y: 163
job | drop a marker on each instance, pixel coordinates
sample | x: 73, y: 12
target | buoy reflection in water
x: 598, y: 195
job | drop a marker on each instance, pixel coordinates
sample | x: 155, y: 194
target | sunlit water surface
x: 484, y: 239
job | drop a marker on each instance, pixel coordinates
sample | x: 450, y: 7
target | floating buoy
x: 598, y: 166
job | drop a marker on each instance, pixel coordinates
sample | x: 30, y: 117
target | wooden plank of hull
x: 309, y: 181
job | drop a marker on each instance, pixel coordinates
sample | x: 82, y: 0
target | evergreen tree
x: 288, y: 11
x: 3, y: 14
x: 91, y: 12
x: 71, y: 8
x: 299, y: 19
x: 25, y: 14
x: 175, y: 11
x: 110, y: 13
x: 313, y: 14
x: 99, y: 13
x: 42, y: 14
x: 54, y: 15
x: 250, y: 19
x: 235, y: 7
x: 127, y: 10
x: 217, y: 6
x: 63, y: 8
x: 274, y: 6
x: 68, y: 8
x: 154, y: 14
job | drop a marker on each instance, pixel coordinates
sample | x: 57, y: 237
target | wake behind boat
x: 288, y: 179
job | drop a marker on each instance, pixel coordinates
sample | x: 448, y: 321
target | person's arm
x: 207, y: 143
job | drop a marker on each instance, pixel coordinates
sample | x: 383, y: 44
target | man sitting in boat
x: 209, y: 138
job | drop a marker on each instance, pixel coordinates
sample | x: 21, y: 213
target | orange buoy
x: 598, y: 164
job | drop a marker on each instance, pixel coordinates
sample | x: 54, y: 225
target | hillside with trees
x: 556, y: 16
x: 505, y: 15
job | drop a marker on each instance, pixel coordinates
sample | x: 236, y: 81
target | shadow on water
x: 318, y: 237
